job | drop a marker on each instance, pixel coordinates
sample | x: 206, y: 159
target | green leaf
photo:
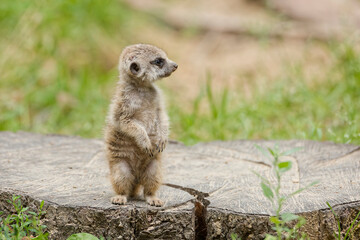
x: 301, y: 221
x: 275, y: 220
x: 262, y: 178
x: 32, y: 213
x: 286, y: 229
x: 32, y: 230
x: 41, y: 237
x: 293, y: 150
x: 82, y: 236
x: 302, y: 189
x: 287, y: 217
x: 263, y: 151
x: 14, y: 198
x: 41, y: 204
x: 267, y: 191
x: 234, y: 236
x: 337, y: 220
x: 24, y: 209
x: 284, y: 166
x: 273, y: 152
x: 270, y: 237
x: 26, y: 224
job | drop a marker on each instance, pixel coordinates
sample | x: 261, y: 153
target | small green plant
x: 83, y: 236
x: 349, y: 230
x: 272, y: 192
x: 24, y: 224
x: 234, y: 236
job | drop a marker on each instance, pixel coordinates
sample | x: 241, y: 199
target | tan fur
x: 137, y: 125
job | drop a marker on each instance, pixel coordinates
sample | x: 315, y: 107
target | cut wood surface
x: 210, y: 190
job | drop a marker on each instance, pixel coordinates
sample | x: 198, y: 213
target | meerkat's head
x: 145, y: 63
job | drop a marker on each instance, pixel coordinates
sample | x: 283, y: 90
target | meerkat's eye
x: 158, y: 62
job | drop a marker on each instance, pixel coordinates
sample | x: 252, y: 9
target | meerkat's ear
x: 135, y: 68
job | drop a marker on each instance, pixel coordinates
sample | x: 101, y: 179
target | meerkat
x: 137, y: 125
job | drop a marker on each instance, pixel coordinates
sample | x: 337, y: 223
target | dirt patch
x: 236, y: 62
x: 243, y: 44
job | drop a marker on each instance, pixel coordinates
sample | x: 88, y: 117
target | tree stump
x: 210, y: 191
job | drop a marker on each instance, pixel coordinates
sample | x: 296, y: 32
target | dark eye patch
x: 158, y: 62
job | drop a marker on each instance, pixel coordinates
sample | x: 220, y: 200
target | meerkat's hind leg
x: 122, y: 180
x: 151, y: 180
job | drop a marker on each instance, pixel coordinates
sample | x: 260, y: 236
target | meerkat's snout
x: 175, y: 66
x: 172, y: 66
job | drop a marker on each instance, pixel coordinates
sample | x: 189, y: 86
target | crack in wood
x: 341, y: 205
x: 343, y: 156
x: 191, y: 191
x: 200, y: 210
x: 177, y: 205
x: 200, y: 213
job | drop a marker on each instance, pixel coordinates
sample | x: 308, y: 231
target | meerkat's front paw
x: 119, y: 199
x: 154, y: 201
x: 150, y: 151
x: 145, y: 144
x: 161, y: 145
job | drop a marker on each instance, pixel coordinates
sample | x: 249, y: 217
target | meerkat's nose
x: 175, y: 66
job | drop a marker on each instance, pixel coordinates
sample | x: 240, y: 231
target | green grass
x: 24, y: 224
x: 57, y: 75
x: 287, y: 109
x: 54, y: 75
x: 348, y: 233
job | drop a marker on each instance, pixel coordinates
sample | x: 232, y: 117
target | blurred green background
x: 58, y: 69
